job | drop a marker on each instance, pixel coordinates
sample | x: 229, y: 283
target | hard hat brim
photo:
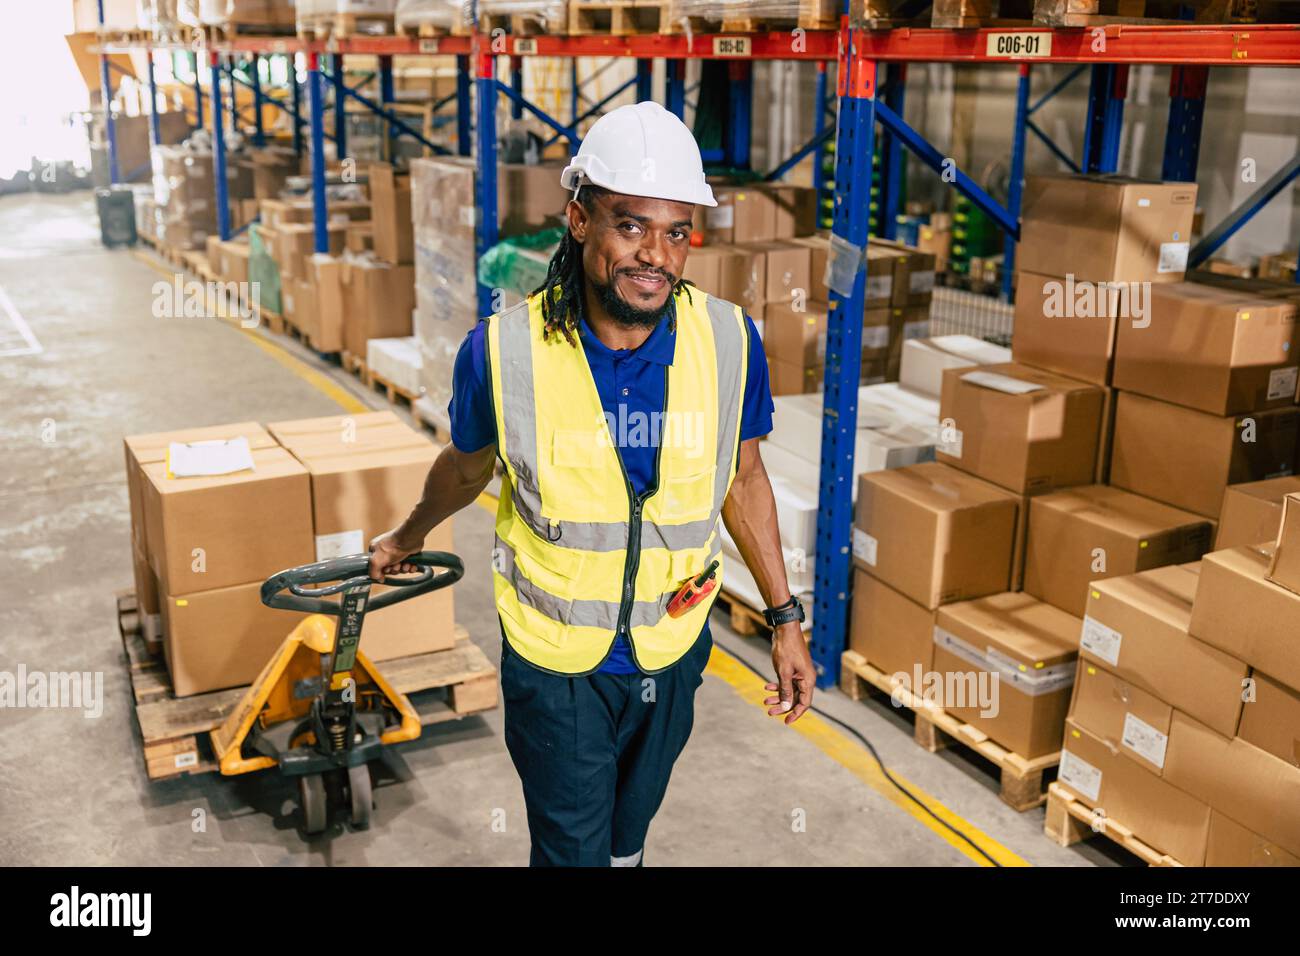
x: 588, y: 169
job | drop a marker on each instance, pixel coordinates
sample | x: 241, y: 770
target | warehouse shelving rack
x: 871, y: 73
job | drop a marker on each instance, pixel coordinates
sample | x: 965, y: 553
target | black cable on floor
x: 883, y: 769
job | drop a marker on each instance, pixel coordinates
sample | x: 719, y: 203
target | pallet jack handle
x: 288, y: 589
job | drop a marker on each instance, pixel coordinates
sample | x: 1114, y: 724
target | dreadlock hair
x: 562, y: 289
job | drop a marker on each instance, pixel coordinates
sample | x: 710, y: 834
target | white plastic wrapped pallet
x: 396, y: 361
x: 925, y: 359
x: 437, y: 13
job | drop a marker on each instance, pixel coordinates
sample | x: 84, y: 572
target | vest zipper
x: 635, y: 505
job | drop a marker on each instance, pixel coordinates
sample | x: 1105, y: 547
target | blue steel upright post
x: 854, y: 146
x: 463, y: 117
x: 675, y: 87
x: 891, y: 153
x: 219, y: 150
x: 644, y: 79
x: 296, y: 87
x: 198, y: 93
x: 316, y: 96
x: 255, y: 75
x: 387, y: 98
x: 517, y: 83
x: 1105, y: 122
x: 106, y: 95
x: 234, y: 97
x: 1016, y: 178
x: 485, y: 182
x: 737, y: 135
x: 340, y: 106
x: 155, y: 130
x: 1187, y: 85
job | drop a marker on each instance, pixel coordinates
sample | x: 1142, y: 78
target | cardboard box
x: 378, y: 301
x: 1125, y: 716
x: 819, y: 248
x: 272, y: 167
x: 914, y: 276
x: 390, y: 197
x: 743, y: 279
x: 234, y: 261
x: 1284, y: 569
x: 886, y: 283
x: 1105, y: 228
x: 743, y: 214
x: 895, y: 635
x: 1252, y: 511
x: 1250, y: 785
x: 146, y: 584
x: 222, y: 637
x: 248, y: 525
x: 1156, y: 811
x: 327, y: 277
x: 1093, y: 532
x: 1187, y: 458
x: 1211, y: 349
x: 705, y: 267
x: 790, y: 378
x: 296, y: 242
x: 786, y: 269
x: 1027, y: 430
x: 1031, y: 647
x: 1137, y: 627
x: 794, y: 210
x: 361, y: 238
x: 924, y: 359
x: 1241, y: 613
x: 795, y: 337
x: 141, y: 450
x: 1271, y: 720
x: 935, y: 534
x: 1231, y: 844
x: 1066, y: 327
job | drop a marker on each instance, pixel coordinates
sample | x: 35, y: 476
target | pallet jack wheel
x: 362, y: 801
x: 315, y: 807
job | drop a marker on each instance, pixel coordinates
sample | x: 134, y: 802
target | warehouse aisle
x: 98, y: 365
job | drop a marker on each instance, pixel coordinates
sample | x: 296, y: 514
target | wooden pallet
x: 1022, y: 786
x: 273, y: 320
x: 439, y: 427
x: 442, y: 685
x: 626, y: 18
x: 745, y: 620
x: 356, y: 364
x: 344, y: 25
x: 1089, y: 13
x: 392, y: 391
x: 1069, y: 821
x: 519, y: 24
x: 969, y: 14
x: 422, y: 31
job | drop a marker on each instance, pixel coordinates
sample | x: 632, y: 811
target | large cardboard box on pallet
x: 1068, y: 328
x: 787, y: 270
x: 1211, y: 349
x: 1257, y: 789
x: 390, y: 196
x: 934, y: 533
x: 1157, y: 812
x: 221, y: 637
x: 378, y: 300
x: 1021, y: 650
x: 1092, y: 532
x: 1270, y: 719
x: 913, y: 280
x: 742, y: 214
x: 1252, y: 511
x: 1027, y: 430
x: 1231, y: 844
x: 1241, y: 612
x: 1138, y: 627
x: 1284, y: 568
x: 894, y: 634
x: 208, y: 532
x: 1124, y: 715
x: 1187, y: 458
x: 1105, y: 228
x: 924, y: 359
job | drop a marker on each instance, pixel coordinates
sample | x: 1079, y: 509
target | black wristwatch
x: 790, y: 611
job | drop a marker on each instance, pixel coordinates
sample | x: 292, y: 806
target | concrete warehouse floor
x: 74, y: 789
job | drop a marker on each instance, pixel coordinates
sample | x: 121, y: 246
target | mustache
x: 651, y: 270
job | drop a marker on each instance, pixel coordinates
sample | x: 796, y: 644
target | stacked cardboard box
x: 204, y: 543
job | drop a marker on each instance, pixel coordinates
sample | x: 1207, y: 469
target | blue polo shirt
x: 632, y: 378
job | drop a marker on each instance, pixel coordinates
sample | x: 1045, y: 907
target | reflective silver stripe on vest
x: 519, y: 412
x: 583, y: 612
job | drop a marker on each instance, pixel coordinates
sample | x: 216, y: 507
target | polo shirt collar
x: 659, y: 348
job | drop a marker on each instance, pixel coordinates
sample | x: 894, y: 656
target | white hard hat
x: 641, y: 150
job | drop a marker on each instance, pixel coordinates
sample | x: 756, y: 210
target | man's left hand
x: 795, y: 674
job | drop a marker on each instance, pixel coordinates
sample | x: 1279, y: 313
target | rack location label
x: 1019, y: 45
x: 525, y: 47
x: 428, y: 46
x: 731, y: 46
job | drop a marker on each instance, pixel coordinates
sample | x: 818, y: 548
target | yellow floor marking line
x: 851, y: 755
x: 297, y: 366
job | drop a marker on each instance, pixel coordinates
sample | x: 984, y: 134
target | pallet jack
x: 346, y: 711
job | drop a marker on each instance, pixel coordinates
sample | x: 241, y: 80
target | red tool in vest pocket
x: 693, y: 591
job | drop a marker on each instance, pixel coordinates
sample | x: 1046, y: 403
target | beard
x: 625, y: 313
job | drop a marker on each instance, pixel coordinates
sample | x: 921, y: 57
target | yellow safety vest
x: 579, y: 557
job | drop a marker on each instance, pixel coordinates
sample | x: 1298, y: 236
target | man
x: 626, y: 407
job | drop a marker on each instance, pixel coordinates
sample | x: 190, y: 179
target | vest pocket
x: 688, y: 497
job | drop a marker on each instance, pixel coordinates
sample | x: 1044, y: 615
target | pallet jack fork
x: 346, y: 711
